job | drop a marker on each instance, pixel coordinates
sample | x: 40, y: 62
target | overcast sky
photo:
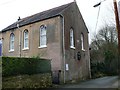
x: 10, y: 10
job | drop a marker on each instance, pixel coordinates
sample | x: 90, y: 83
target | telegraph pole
x: 118, y: 31
x: 117, y: 23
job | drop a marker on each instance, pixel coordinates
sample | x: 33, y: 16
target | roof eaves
x: 4, y: 30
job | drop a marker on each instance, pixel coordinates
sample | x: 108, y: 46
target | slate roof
x: 38, y: 17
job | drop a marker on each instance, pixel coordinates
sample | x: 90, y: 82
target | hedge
x: 17, y: 66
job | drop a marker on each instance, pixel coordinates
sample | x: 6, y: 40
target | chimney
x: 19, y: 18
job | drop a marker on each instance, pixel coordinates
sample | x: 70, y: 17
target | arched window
x: 71, y: 38
x: 82, y: 41
x: 26, y: 39
x: 12, y: 39
x: 43, y: 37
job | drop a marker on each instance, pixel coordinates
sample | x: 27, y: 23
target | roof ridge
x: 68, y: 4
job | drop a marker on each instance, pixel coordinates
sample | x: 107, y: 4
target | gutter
x: 63, y: 39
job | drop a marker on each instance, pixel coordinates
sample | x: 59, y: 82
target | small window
x: 26, y: 39
x: 71, y: 39
x: 43, y: 37
x: 12, y: 39
x: 82, y: 41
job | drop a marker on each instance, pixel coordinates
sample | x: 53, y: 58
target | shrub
x: 27, y: 81
x: 99, y: 69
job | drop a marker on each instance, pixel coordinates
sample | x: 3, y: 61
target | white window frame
x: 12, y: 40
x: 82, y: 42
x: 43, y: 36
x: 26, y: 40
x: 72, y: 39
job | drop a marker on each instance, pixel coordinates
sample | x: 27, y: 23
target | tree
x: 104, y: 50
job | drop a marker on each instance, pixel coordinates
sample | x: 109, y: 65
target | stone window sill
x: 72, y: 47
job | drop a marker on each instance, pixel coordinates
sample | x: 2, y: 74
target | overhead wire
x: 97, y: 19
x: 7, y: 2
x: 99, y: 4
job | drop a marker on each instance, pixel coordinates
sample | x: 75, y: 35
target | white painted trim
x: 24, y: 43
x: 43, y: 46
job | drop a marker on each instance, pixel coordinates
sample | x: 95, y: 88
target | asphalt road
x: 104, y: 82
